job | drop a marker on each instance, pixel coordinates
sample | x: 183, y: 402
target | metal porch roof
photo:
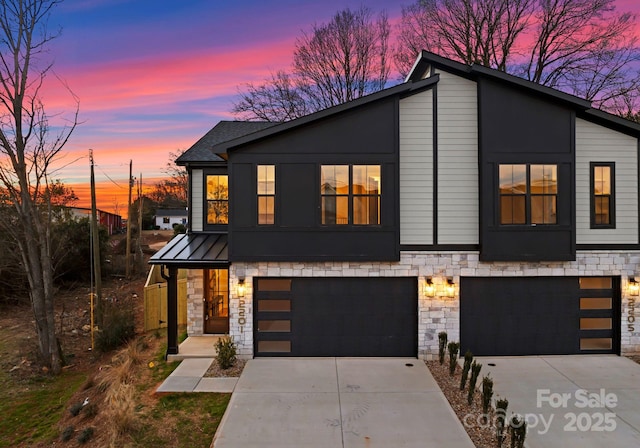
x: 194, y: 250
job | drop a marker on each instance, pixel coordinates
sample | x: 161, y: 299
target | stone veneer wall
x: 435, y: 314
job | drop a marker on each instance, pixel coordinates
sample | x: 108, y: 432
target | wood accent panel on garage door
x: 336, y: 317
x: 537, y: 316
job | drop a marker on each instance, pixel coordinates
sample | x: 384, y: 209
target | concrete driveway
x: 338, y: 402
x: 571, y: 401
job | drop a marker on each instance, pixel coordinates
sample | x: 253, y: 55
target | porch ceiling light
x: 429, y: 287
x: 241, y: 287
x: 450, y: 287
x: 634, y: 286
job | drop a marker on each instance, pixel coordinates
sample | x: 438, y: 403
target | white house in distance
x: 166, y: 218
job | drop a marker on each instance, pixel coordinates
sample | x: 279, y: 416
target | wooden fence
x: 155, y: 302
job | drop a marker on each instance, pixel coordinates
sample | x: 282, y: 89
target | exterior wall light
x: 241, y: 287
x: 429, y: 287
x: 633, y: 286
x: 450, y: 287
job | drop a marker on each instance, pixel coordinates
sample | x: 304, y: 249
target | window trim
x: 612, y: 195
x: 351, y: 196
x: 528, y: 195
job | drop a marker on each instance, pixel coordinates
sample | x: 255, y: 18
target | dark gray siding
x: 365, y: 135
x: 518, y: 128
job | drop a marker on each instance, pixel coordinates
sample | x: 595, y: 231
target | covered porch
x: 189, y: 251
x: 196, y: 347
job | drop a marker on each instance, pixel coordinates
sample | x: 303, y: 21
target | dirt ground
x: 19, y: 354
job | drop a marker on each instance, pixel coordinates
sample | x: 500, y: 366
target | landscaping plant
x: 501, y: 415
x: 487, y: 395
x: 453, y: 356
x: 442, y: 345
x: 85, y: 435
x: 468, y: 357
x: 67, y: 434
x: 475, y: 372
x: 518, y: 428
x: 75, y: 409
x: 226, y: 352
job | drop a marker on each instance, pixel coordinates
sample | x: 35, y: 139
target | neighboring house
x: 111, y: 221
x: 166, y: 218
x: 464, y: 200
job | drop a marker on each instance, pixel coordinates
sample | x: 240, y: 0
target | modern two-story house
x: 463, y: 200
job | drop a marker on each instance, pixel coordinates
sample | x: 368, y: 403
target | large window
x: 266, y: 189
x: 528, y: 194
x: 350, y: 194
x: 217, y: 199
x: 602, y: 195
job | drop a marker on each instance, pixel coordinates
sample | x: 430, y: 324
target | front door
x: 216, y: 301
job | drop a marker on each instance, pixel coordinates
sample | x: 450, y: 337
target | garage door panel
x: 351, y: 317
x: 526, y: 316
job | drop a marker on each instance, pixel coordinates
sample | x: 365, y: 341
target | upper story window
x: 350, y: 194
x: 266, y: 189
x: 528, y: 194
x: 602, y: 195
x: 217, y: 199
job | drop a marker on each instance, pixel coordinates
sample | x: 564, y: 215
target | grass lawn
x: 30, y: 416
x: 35, y: 408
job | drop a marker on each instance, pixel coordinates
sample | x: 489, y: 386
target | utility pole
x: 128, y: 249
x: 140, y: 208
x: 95, y: 242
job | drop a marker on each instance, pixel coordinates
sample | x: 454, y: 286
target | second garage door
x: 335, y: 316
x: 539, y: 315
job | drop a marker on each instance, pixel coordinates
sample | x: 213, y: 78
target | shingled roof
x: 221, y: 132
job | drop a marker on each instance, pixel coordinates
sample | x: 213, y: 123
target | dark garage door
x: 539, y: 315
x: 336, y: 316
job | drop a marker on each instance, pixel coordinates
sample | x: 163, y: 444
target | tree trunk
x: 37, y: 262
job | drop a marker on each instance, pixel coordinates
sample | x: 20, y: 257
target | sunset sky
x: 152, y: 76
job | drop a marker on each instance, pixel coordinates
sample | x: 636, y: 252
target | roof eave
x: 377, y: 96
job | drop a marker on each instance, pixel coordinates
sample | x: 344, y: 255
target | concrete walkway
x: 338, y: 402
x: 188, y: 377
x: 571, y: 401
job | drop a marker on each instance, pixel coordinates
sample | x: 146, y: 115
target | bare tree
x: 579, y: 46
x: 276, y: 99
x: 336, y: 62
x: 471, y: 31
x: 27, y: 151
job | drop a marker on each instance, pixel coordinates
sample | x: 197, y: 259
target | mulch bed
x: 234, y: 371
x: 482, y: 433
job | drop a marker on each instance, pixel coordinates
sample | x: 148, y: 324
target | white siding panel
x: 458, y: 196
x: 595, y: 143
x: 416, y: 169
x: 197, y: 200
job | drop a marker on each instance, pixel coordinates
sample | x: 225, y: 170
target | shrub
x: 442, y: 344
x: 468, y: 357
x: 453, y: 356
x: 475, y: 372
x: 179, y: 228
x: 118, y: 324
x: 226, y: 352
x: 487, y: 394
x: 90, y: 410
x: 501, y: 416
x: 67, y: 433
x: 75, y: 409
x: 85, y: 435
x: 518, y: 428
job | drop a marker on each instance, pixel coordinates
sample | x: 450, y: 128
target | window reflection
x: 266, y: 188
x: 217, y: 199
x: 339, y: 192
